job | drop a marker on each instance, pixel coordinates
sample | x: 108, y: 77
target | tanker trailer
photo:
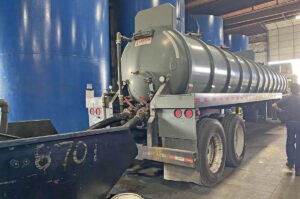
x: 173, y: 88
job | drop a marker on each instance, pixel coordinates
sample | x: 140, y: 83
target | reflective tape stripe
x: 181, y: 159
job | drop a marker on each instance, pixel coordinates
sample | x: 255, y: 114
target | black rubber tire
x: 207, y: 130
x: 231, y: 123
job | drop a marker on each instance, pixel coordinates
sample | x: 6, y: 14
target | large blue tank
x: 49, y: 51
x: 210, y: 27
x: 236, y: 42
x: 126, y: 11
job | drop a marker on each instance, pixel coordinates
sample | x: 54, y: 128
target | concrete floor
x: 262, y: 174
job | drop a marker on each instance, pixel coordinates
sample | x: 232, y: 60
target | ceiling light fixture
x: 297, y: 17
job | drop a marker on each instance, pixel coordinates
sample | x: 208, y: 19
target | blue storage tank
x: 49, y: 51
x: 236, y: 42
x: 127, y: 10
x: 210, y: 27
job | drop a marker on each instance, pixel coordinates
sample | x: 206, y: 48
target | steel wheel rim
x: 239, y: 141
x: 215, y: 153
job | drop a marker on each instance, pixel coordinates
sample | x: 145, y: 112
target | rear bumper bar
x: 167, y: 155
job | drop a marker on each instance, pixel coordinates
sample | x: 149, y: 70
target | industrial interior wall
x: 49, y: 51
x: 284, y: 40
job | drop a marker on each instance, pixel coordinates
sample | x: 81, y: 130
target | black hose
x: 132, y: 122
x: 116, y: 118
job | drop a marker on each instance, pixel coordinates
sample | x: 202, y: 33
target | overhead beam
x: 249, y: 30
x: 194, y: 3
x: 267, y: 19
x: 263, y: 15
x: 220, y: 7
x: 254, y: 27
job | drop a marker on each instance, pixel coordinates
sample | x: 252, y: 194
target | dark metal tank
x: 192, y: 66
x: 236, y: 42
x: 210, y: 28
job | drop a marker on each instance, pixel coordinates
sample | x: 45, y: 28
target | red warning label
x: 143, y: 41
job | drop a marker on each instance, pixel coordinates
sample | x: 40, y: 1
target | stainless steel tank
x: 191, y: 66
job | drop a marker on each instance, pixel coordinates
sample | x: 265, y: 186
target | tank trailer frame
x: 187, y: 132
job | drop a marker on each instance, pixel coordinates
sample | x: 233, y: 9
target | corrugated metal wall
x: 284, y: 40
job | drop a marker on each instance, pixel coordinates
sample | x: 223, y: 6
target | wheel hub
x: 239, y: 141
x: 215, y: 153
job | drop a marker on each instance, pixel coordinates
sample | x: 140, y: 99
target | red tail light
x: 188, y: 113
x: 178, y: 113
x: 98, y: 111
x: 92, y: 111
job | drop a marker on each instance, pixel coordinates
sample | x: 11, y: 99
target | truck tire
x: 234, y: 128
x: 211, y: 143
